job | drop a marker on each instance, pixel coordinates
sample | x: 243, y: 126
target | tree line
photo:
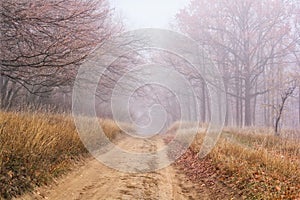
x: 42, y: 45
x: 255, y: 45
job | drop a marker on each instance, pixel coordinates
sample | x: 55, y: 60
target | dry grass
x: 184, y: 125
x: 35, y: 148
x: 287, y: 147
x: 257, y: 166
x: 113, y: 128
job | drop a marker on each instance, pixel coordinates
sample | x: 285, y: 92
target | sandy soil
x: 94, y: 181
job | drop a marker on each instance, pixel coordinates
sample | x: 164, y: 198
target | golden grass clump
x: 110, y: 128
x: 35, y: 148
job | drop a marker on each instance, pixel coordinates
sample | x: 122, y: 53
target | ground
x: 94, y: 180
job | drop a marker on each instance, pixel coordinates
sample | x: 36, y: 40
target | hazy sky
x: 148, y: 13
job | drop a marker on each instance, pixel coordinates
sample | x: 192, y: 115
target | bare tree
x: 280, y: 107
x: 245, y: 38
x: 43, y: 42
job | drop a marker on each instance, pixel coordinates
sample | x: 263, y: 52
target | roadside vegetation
x: 37, y: 147
x: 254, y: 164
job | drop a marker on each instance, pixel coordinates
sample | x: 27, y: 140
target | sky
x: 148, y: 13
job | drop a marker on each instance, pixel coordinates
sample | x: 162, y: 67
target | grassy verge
x: 251, y: 163
x: 35, y: 148
x: 257, y: 166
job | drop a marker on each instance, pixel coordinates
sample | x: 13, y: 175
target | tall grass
x: 257, y: 166
x: 35, y: 148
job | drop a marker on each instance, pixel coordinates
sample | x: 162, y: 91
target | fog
x: 253, y: 45
x: 148, y: 14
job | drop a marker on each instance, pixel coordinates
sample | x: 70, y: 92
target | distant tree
x: 286, y: 93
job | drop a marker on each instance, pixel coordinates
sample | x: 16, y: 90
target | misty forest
x: 230, y: 127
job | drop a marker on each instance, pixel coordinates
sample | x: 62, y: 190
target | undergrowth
x: 252, y: 163
x: 35, y: 148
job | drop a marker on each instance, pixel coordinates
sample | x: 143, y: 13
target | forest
x: 221, y: 84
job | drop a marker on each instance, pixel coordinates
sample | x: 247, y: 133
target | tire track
x: 95, y: 181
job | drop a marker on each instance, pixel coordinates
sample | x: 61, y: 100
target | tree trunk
x: 227, y: 105
x: 237, y: 102
x: 254, y: 106
x: 248, y: 116
x: 203, y: 104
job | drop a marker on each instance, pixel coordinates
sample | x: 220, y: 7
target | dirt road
x: 94, y: 180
